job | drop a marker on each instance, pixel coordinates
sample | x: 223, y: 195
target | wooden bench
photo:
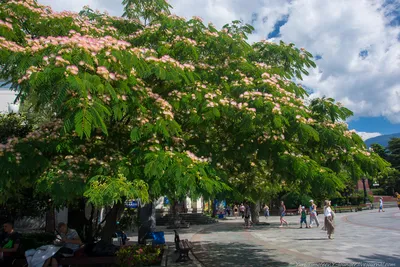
x: 344, y: 208
x: 292, y: 212
x: 183, y: 247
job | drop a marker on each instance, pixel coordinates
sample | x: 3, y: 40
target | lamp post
x: 365, y: 191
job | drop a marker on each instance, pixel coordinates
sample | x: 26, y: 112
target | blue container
x: 158, y: 238
x: 220, y: 216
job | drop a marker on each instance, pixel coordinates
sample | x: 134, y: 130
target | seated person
x: 70, y: 241
x: 123, y: 236
x: 9, y: 244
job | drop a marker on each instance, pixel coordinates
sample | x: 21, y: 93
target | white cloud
x: 365, y: 135
x: 337, y: 30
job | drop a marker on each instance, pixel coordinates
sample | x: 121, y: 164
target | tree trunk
x: 50, y: 221
x: 214, y: 208
x: 255, y: 212
x: 147, y: 216
x: 77, y: 220
x: 111, y: 223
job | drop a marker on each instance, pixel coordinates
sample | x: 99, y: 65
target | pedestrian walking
x: 241, y: 209
x: 235, y: 211
x: 329, y: 216
x: 282, y: 213
x: 266, y: 211
x: 303, y: 217
x: 398, y: 200
x: 381, y: 205
x: 247, y: 214
x: 313, y: 214
x: 228, y: 210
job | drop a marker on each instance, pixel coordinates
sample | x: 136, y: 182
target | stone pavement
x: 367, y: 237
x: 362, y: 237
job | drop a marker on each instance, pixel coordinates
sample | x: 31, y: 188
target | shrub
x: 293, y: 200
x: 341, y: 201
x: 378, y: 191
x: 139, y: 256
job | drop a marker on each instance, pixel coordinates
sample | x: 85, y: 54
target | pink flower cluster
x: 82, y: 23
x: 72, y: 70
x: 301, y: 119
x: 9, y: 45
x: 6, y: 24
x: 86, y: 43
x: 185, y: 40
x: 212, y: 34
x: 164, y: 105
x: 262, y: 65
x: 28, y: 73
x: 194, y: 158
x: 167, y: 59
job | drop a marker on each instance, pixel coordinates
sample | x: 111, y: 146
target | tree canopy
x: 154, y: 104
x: 389, y: 179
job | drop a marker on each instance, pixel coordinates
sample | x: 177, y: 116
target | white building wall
x: 6, y: 97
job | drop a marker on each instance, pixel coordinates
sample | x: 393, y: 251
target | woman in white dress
x: 329, y: 216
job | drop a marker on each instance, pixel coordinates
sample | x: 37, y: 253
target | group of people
x: 328, y: 214
x: 242, y: 210
x: 67, y: 241
x: 313, y: 215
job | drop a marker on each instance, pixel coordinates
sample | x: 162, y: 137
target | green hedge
x: 355, y: 199
x: 378, y: 191
x: 293, y: 200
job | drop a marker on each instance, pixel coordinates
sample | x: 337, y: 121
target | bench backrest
x: 177, y: 240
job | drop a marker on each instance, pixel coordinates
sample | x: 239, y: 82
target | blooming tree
x: 154, y: 104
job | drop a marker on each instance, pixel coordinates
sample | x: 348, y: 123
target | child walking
x: 303, y: 217
x: 381, y: 205
x: 266, y: 211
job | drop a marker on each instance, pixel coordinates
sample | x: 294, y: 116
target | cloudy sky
x: 356, y: 44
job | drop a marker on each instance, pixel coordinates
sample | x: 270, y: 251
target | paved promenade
x: 366, y: 238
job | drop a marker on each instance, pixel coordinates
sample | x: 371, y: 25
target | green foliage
x: 380, y: 150
x: 13, y: 126
x: 394, y: 153
x: 148, y: 10
x: 294, y: 199
x: 167, y: 106
x: 378, y: 191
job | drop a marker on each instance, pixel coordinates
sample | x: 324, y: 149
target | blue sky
x: 377, y: 124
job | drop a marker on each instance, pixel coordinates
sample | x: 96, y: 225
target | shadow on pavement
x: 379, y: 260
x: 239, y: 227
x: 234, y: 254
x: 303, y: 239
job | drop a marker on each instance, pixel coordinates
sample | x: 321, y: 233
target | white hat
x: 311, y: 200
x: 302, y: 207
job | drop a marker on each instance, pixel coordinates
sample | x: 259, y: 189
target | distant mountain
x: 382, y: 139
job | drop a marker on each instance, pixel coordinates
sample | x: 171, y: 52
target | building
x: 7, y: 98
